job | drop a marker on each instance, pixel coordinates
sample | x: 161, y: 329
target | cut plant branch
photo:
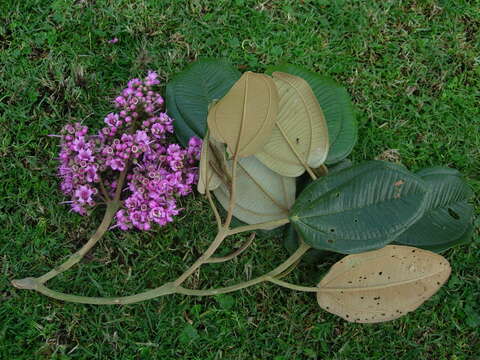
x: 260, y: 133
x: 234, y: 254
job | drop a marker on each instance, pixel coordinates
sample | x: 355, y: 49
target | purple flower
x: 158, y: 172
x: 79, y: 209
x: 78, y: 144
x: 117, y: 164
x: 91, y: 173
x: 84, y: 194
x: 152, y: 79
x: 85, y: 155
x: 112, y: 119
x: 141, y: 137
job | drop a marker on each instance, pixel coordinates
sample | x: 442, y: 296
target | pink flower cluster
x: 135, y: 140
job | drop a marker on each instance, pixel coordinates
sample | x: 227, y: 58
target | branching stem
x: 104, y: 191
x: 220, y: 259
x: 175, y: 287
x: 171, y: 288
x: 260, y: 226
x: 112, y: 207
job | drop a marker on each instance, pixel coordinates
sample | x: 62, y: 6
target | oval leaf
x: 382, y: 285
x: 300, y: 136
x: 183, y: 131
x: 244, y: 118
x: 360, y: 208
x: 262, y: 195
x: 212, y: 160
x: 190, y: 93
x: 448, y: 215
x: 344, y: 164
x: 337, y: 109
x: 291, y: 243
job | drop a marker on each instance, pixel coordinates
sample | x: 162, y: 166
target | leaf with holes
x: 382, y: 285
x: 360, y: 208
x: 244, y: 118
x: 337, y: 109
x: 190, y: 93
x: 300, y: 136
x: 262, y: 195
x: 448, y: 217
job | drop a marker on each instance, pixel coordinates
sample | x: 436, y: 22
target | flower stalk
x: 153, y: 173
x: 174, y: 287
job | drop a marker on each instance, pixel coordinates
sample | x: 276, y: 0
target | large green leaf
x: 291, y: 243
x: 190, y: 93
x: 447, y: 220
x: 182, y: 130
x: 360, y: 208
x: 337, y: 109
x: 344, y: 164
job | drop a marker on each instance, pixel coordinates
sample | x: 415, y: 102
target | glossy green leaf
x: 360, y: 208
x: 448, y: 216
x: 262, y: 195
x: 337, y: 109
x: 183, y: 131
x: 291, y: 243
x: 190, y: 93
x: 344, y: 164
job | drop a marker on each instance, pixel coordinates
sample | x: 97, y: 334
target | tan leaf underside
x: 244, y: 118
x: 382, y: 285
x: 300, y: 135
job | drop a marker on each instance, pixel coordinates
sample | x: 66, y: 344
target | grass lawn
x: 413, y: 70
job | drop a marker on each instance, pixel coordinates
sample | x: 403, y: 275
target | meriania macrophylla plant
x: 274, y: 155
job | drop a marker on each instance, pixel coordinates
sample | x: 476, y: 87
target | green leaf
x: 438, y: 170
x: 448, y: 216
x: 183, y: 131
x: 344, y: 164
x: 190, y: 93
x: 360, y: 208
x: 291, y: 243
x: 337, y: 109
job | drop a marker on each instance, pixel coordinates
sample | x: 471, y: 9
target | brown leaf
x: 244, y: 118
x: 300, y: 136
x: 382, y: 285
x: 211, y: 162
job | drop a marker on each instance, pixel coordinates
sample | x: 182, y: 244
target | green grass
x: 413, y: 69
